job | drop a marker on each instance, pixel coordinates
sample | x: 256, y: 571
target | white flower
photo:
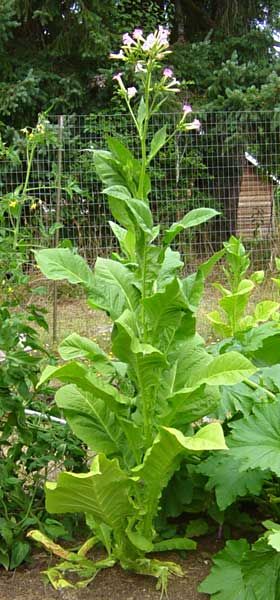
x: 131, y: 92
x: 163, y: 35
x: 119, y: 55
x: 149, y: 42
x: 2, y: 356
x: 139, y: 67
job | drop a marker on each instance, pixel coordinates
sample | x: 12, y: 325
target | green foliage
x: 233, y: 318
x: 243, y: 573
x: 27, y: 447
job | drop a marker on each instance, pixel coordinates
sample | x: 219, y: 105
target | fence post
x: 57, y: 218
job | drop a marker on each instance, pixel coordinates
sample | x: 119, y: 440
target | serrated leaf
x: 229, y: 483
x: 225, y: 581
x: 256, y: 439
x: 19, y: 553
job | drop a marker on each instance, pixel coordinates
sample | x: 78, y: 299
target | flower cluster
x: 155, y: 45
x: 144, y: 53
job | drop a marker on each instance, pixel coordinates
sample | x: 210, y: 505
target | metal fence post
x: 57, y: 219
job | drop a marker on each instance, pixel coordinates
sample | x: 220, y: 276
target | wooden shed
x: 255, y: 205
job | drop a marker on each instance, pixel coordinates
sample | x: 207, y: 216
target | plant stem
x: 24, y: 190
x: 257, y: 386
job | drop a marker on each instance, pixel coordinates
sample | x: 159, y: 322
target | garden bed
x: 27, y: 582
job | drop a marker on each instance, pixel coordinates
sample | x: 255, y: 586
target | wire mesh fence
x: 232, y: 164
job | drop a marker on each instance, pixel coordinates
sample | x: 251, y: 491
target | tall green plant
x: 139, y: 410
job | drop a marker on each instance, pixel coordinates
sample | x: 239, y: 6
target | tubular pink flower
x: 131, y: 92
x: 194, y: 125
x: 167, y: 72
x: 137, y: 34
x: 118, y: 77
x: 187, y: 109
x: 127, y: 40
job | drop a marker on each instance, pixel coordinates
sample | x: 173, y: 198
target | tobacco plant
x: 138, y: 408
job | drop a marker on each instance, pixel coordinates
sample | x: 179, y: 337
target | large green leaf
x: 163, y: 457
x: 77, y: 346
x: 169, y: 268
x: 256, y: 439
x: 261, y: 572
x: 192, y: 219
x: 88, y: 381
x: 189, y: 406
x: 164, y: 311
x: 62, y: 263
x: 113, y: 288
x: 229, y: 483
x: 226, y: 369
x: 107, y: 168
x: 241, y: 573
x: 90, y: 419
x: 102, y: 493
x: 146, y: 362
x: 139, y: 211
x: 225, y: 581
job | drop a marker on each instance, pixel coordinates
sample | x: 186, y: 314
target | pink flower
x: 194, y: 125
x: 120, y: 55
x: 118, y: 77
x: 167, y: 72
x: 131, y: 91
x: 137, y: 34
x: 127, y: 39
x: 187, y: 109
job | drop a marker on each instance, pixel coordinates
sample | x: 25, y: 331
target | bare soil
x: 27, y: 582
